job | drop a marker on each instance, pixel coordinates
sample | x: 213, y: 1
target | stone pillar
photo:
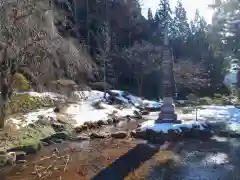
x: 167, y: 114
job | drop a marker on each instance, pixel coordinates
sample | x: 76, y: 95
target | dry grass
x: 85, y: 164
x: 161, y: 158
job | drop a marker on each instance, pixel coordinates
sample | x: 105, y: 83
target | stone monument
x: 167, y: 114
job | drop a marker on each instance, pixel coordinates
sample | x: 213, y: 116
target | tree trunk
x: 3, y: 101
x: 105, y: 77
x: 140, y: 84
x: 3, y: 109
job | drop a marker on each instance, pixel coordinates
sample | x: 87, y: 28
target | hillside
x: 41, y: 53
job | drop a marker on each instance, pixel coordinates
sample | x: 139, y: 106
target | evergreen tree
x: 161, y: 19
x: 180, y: 26
x: 150, y: 15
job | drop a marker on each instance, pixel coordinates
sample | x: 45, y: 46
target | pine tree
x: 161, y: 19
x: 180, y: 26
x: 150, y: 15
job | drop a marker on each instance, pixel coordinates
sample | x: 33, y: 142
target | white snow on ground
x: 164, y: 127
x: 80, y: 112
x: 206, y: 114
x: 216, y: 158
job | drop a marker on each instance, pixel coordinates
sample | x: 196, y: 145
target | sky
x: 189, y: 5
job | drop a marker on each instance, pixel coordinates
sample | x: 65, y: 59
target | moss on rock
x: 29, y: 146
x: 21, y: 103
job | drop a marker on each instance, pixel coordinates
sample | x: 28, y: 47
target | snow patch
x: 216, y: 158
x: 82, y: 111
x: 165, y: 127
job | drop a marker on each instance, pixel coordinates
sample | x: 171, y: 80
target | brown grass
x: 161, y: 158
x: 85, y: 164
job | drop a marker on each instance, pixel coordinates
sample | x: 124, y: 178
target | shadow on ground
x: 127, y: 163
x: 216, y: 159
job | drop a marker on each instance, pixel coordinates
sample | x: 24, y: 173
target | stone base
x: 167, y: 114
x: 173, y: 135
x: 161, y: 121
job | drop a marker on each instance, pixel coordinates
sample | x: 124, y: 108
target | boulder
x: 119, y: 135
x: 138, y: 134
x: 95, y: 135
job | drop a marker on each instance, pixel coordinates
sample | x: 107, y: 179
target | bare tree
x: 190, y: 75
x: 16, y: 39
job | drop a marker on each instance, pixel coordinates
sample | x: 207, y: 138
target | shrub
x: 205, y: 101
x: 20, y: 82
x: 218, y: 96
x: 20, y: 103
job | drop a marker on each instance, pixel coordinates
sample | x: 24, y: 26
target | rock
x: 95, y: 135
x: 89, y: 125
x: 32, y: 125
x: 45, y: 143
x: 62, y: 119
x: 56, y: 110
x: 100, y: 123
x: 11, y: 158
x: 81, y: 128
x: 58, y: 141
x: 20, y: 155
x: 137, y: 115
x: 115, y: 120
x: 2, y: 151
x: 152, y: 136
x: 144, y: 112
x: 60, y: 135
x: 3, y: 159
x: 44, y: 122
x: 119, y: 135
x: 57, y: 126
x: 110, y: 121
x: 138, y: 134
x: 8, y: 158
x: 63, y: 135
x: 80, y: 138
